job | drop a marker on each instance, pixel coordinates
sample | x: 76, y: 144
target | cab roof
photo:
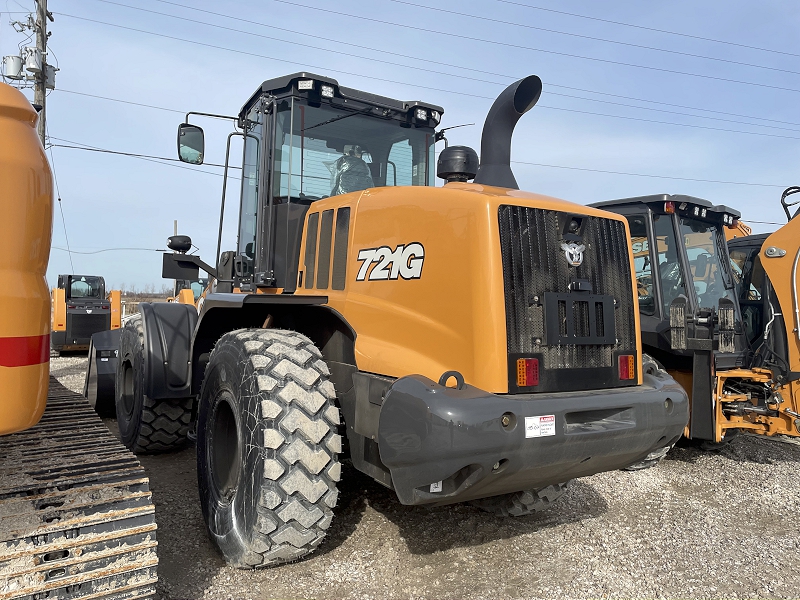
x: 749, y: 240
x: 287, y: 85
x: 678, y: 199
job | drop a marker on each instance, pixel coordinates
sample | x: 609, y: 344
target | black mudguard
x: 168, y: 329
x: 101, y: 372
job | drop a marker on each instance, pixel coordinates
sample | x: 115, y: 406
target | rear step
x: 76, y: 514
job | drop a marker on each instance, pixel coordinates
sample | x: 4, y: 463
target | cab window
x: 642, y: 263
x: 670, y: 272
x: 86, y: 287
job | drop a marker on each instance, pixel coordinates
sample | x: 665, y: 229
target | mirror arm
x: 212, y: 115
x: 196, y: 260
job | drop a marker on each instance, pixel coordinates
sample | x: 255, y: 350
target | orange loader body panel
x: 783, y: 274
x: 417, y: 327
x: 25, y: 235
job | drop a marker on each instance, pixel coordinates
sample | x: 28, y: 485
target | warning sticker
x: 436, y: 487
x: 540, y: 426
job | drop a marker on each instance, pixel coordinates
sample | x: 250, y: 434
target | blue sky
x: 443, y: 56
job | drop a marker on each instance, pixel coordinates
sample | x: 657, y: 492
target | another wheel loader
x: 76, y: 516
x: 471, y: 342
x: 721, y: 332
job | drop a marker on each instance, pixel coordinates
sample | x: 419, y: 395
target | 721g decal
x: 404, y: 261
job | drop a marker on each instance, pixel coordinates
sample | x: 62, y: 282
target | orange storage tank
x: 26, y: 190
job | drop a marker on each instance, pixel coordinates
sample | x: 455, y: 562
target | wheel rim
x: 224, y: 452
x: 127, y: 389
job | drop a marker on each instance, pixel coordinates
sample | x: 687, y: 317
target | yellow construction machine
x: 82, y: 308
x: 711, y: 319
x: 76, y: 517
x: 471, y: 342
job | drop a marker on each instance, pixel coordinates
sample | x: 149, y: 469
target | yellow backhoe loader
x: 466, y: 343
x: 710, y: 320
x: 76, y: 516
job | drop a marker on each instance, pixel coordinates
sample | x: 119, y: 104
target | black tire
x: 651, y: 460
x: 524, y: 503
x: 708, y: 446
x: 651, y: 366
x: 267, y: 391
x: 146, y: 426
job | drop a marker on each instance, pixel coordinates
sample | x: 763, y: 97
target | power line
x: 61, y: 208
x: 484, y: 18
x: 134, y: 155
x: 687, y: 35
x: 520, y: 162
x: 409, y: 83
x: 717, y: 112
x: 521, y: 47
x: 555, y: 167
x: 154, y: 159
x: 428, y: 60
x: 672, y: 112
x: 112, y: 250
x: 586, y: 112
x: 183, y: 112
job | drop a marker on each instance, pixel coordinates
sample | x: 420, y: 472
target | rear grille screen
x: 81, y: 326
x: 537, y: 278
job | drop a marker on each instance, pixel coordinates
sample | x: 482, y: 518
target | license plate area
x: 577, y: 318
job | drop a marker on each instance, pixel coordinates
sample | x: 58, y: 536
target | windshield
x: 326, y: 151
x: 86, y: 287
x: 711, y: 280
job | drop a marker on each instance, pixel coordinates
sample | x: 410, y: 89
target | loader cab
x: 85, y: 288
x: 197, y: 286
x: 307, y: 138
x: 679, y: 249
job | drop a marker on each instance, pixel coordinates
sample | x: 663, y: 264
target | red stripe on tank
x: 24, y: 351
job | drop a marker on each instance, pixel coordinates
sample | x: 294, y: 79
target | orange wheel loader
x: 465, y: 343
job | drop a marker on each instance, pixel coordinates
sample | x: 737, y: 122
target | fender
x: 168, y: 329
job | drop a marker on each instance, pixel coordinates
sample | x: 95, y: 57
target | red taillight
x: 627, y: 367
x: 105, y: 307
x: 669, y: 207
x: 527, y: 372
x: 70, y: 306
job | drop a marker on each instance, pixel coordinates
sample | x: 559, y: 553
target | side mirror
x: 191, y: 144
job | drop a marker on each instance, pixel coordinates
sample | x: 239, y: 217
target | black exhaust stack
x: 515, y: 101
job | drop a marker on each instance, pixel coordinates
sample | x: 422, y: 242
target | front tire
x: 146, y: 426
x: 267, y: 447
x: 522, y: 503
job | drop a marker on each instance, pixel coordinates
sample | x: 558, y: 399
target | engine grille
x: 535, y: 264
x: 81, y: 326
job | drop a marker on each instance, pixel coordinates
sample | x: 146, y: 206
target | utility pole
x: 40, y: 89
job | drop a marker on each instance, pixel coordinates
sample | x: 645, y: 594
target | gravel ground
x: 700, y: 525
